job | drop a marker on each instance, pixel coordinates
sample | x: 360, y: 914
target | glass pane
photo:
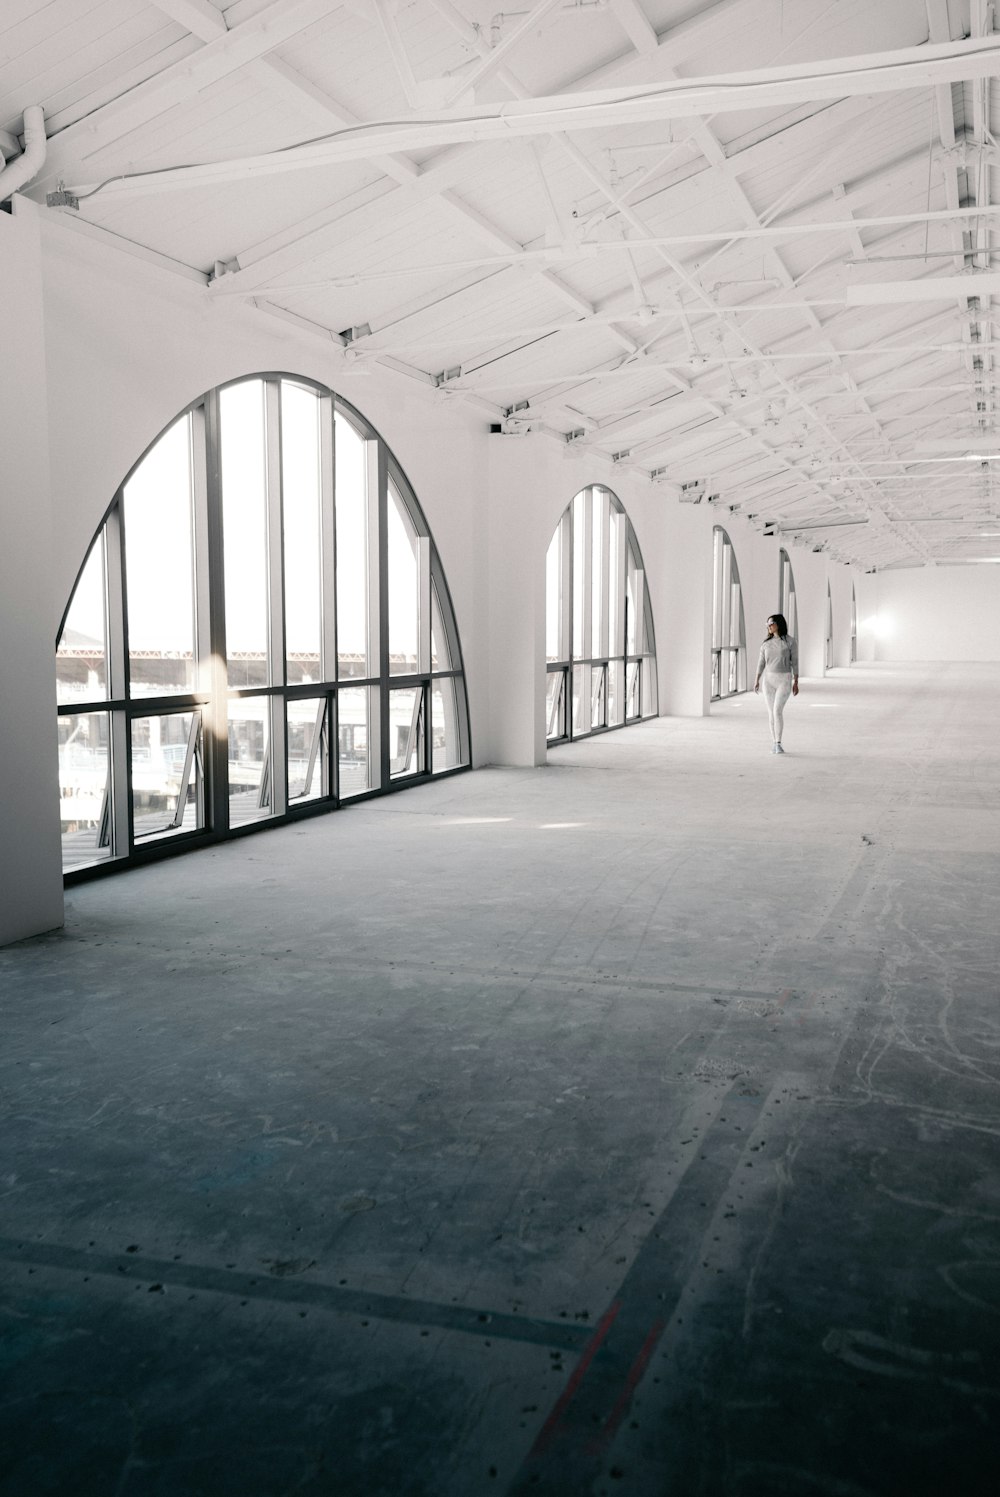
x: 406, y: 751
x: 404, y: 588
x: 581, y: 698
x: 244, y: 518
x: 716, y: 673
x: 553, y: 597
x: 300, y: 495
x: 167, y: 778
x: 631, y: 604
x: 616, y: 642
x: 445, y: 743
x: 579, y: 564
x: 440, y: 653
x: 634, y: 679
x: 159, y: 567
x: 598, y: 527
x: 249, y: 759
x: 352, y: 549
x: 735, y: 614
x: 354, y: 740
x: 598, y: 701
x: 616, y: 700
x: 308, y: 774
x: 649, y: 698
x: 84, y: 789
x: 555, y: 704
x: 81, y: 655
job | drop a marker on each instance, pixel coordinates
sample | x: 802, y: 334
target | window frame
x: 727, y: 658
x: 212, y: 694
x: 593, y: 607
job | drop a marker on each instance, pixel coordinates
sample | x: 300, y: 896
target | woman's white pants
x: 777, y: 688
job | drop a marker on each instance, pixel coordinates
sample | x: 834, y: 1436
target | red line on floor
x: 636, y: 1372
x: 551, y: 1424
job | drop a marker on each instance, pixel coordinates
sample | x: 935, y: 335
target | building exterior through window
x: 599, y: 643
x: 261, y: 628
x: 729, y: 636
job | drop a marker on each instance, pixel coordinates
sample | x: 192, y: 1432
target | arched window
x: 829, y: 628
x: 600, y: 652
x: 729, y: 635
x: 854, y: 625
x: 261, y: 626
x: 786, y: 593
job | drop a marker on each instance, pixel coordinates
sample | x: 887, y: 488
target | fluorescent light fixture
x: 929, y: 288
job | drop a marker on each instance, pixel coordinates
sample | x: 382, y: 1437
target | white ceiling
x: 681, y: 235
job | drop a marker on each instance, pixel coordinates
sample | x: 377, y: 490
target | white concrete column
x: 31, y: 898
x: 519, y: 532
x: 683, y: 617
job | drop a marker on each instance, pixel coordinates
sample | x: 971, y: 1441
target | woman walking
x: 778, y: 673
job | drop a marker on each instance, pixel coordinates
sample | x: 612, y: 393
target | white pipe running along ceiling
x: 755, y: 248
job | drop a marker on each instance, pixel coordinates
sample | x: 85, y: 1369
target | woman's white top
x: 779, y: 656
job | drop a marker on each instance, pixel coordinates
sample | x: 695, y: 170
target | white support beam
x: 492, y: 60
x: 203, y: 19
x: 913, y: 67
x: 278, y: 22
x: 636, y: 25
x: 397, y: 51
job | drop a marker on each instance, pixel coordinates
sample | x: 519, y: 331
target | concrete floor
x: 624, y: 1126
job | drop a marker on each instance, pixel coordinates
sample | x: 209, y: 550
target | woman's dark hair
x: 778, y: 620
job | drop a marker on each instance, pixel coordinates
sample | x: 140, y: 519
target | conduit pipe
x: 31, y: 160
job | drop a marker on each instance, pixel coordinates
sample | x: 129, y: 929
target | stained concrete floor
x: 623, y: 1126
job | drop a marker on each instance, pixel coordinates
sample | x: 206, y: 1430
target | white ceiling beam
x: 492, y: 60
x: 636, y: 25
x: 397, y: 52
x: 278, y: 22
x: 912, y: 67
x: 203, y: 19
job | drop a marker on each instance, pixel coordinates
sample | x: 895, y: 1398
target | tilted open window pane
x: 159, y: 565
x: 555, y: 704
x: 404, y: 589
x: 354, y: 741
x: 244, y: 519
x: 249, y: 759
x: 407, y: 753
x: 301, y: 495
x: 616, y: 701
x: 81, y: 655
x: 308, y: 757
x: 446, y: 745
x: 167, y: 775
x: 85, y: 789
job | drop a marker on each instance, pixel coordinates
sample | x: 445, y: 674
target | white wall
x: 30, y: 877
x: 932, y: 613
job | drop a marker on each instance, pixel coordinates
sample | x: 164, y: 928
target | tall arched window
x: 600, y: 652
x: 786, y: 593
x: 829, y: 628
x: 854, y: 625
x: 261, y: 627
x: 729, y: 635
